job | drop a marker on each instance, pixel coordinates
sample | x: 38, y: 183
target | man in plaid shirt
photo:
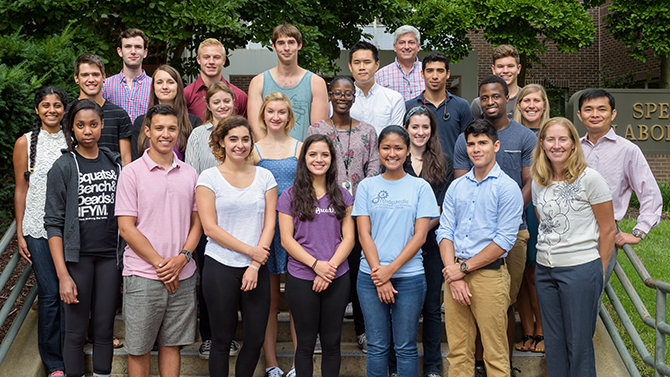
x: 404, y: 74
x: 129, y: 89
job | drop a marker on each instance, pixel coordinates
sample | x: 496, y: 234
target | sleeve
x: 461, y: 159
x: 312, y: 130
x: 448, y: 218
x: 596, y: 187
x: 56, y: 197
x: 426, y: 204
x: 535, y: 191
x: 476, y: 109
x: 284, y: 202
x: 643, y: 182
x: 126, y: 126
x: 346, y: 196
x: 205, y: 180
x: 372, y: 166
x: 190, y: 155
x: 528, y: 148
x: 194, y: 177
x: 269, y: 179
x: 398, y: 110
x: 510, y: 209
x: 195, y: 120
x: 126, y: 194
x: 361, y: 200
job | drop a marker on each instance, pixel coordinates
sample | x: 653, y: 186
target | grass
x: 653, y: 251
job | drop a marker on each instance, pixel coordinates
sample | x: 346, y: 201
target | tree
x: 643, y: 25
x: 530, y: 26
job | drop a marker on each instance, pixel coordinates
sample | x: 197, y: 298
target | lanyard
x: 344, y: 154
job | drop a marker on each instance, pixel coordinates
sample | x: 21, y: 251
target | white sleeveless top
x: 48, y: 151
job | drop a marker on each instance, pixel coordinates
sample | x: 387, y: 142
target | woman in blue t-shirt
x: 393, y: 212
x: 83, y: 237
x: 318, y: 232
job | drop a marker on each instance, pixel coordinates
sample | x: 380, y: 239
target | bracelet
x: 314, y: 264
x: 254, y: 267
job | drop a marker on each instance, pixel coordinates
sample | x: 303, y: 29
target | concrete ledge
x: 23, y: 358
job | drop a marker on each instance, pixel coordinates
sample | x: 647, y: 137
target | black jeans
x: 317, y: 313
x: 221, y: 287
x: 204, y: 327
x: 98, y: 281
x: 354, y: 260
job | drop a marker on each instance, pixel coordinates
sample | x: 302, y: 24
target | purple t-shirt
x: 319, y: 237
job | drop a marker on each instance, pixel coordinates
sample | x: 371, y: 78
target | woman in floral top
x: 356, y: 145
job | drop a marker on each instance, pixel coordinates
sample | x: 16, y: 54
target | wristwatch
x: 463, y: 266
x: 639, y: 234
x: 188, y: 254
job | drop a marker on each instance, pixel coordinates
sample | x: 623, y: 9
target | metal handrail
x: 18, y: 287
x: 659, y: 324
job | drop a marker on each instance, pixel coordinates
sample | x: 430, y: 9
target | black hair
x: 161, y: 109
x: 398, y: 130
x: 435, y: 57
x: 591, y: 94
x: 493, y: 79
x: 304, y: 196
x: 40, y: 95
x: 77, y: 106
x: 342, y: 77
x: 481, y: 127
x: 364, y: 45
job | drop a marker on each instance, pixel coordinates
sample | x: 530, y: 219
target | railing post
x: 659, y: 349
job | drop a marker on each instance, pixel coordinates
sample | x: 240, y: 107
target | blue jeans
x: 406, y: 312
x: 50, y: 320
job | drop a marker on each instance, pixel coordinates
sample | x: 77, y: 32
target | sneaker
x: 317, y: 346
x: 291, y: 373
x: 234, y: 348
x: 57, y: 373
x: 204, y: 349
x: 363, y: 343
x: 393, y: 374
x: 480, y: 371
x: 514, y: 371
x: 274, y: 372
x: 349, y: 311
x: 433, y: 375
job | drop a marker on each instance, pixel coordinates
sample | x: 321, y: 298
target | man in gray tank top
x: 307, y: 91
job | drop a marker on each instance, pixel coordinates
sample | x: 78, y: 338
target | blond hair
x: 277, y: 96
x: 211, y: 42
x: 526, y: 90
x: 542, y: 171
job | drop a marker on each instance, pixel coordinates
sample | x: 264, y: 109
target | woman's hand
x: 23, y: 248
x: 320, y: 284
x: 325, y: 270
x: 259, y: 253
x: 249, y: 279
x: 385, y: 293
x: 68, y: 290
x: 381, y: 275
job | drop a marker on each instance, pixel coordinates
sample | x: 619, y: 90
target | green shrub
x: 665, y: 193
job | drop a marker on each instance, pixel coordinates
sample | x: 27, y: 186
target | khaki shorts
x: 151, y: 314
x: 516, y: 263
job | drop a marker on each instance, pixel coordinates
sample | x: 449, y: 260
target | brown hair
x: 287, y: 30
x: 215, y: 87
x: 504, y: 51
x: 221, y: 130
x: 131, y: 33
x: 88, y: 58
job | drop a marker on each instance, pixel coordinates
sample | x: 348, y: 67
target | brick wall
x: 241, y: 82
x: 660, y: 166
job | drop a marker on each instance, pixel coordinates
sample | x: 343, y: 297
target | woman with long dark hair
x: 318, y: 232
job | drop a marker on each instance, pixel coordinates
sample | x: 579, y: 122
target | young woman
x: 167, y: 87
x: 34, y: 154
x: 220, y: 104
x: 236, y: 203
x: 318, y: 233
x: 356, y: 148
x: 393, y: 213
x: 84, y: 238
x: 278, y: 153
x: 428, y: 162
x: 574, y: 244
x: 532, y: 109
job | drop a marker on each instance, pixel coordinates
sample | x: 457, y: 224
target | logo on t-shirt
x: 319, y: 211
x: 382, y: 199
x: 96, y: 193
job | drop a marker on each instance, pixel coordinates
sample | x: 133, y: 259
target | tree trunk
x: 664, y: 77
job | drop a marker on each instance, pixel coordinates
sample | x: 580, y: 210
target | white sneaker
x: 349, y: 311
x: 363, y: 343
x: 274, y: 372
x: 317, y: 345
x: 291, y: 373
x: 234, y: 348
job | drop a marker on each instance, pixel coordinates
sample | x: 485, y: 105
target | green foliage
x: 665, y: 193
x: 25, y: 65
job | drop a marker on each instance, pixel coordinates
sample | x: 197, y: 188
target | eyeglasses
x: 337, y: 95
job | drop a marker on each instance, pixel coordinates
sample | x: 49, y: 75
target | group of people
x: 373, y: 191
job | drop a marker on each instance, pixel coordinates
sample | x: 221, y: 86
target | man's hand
x: 460, y: 292
x: 452, y: 273
x: 172, y: 286
x: 626, y: 238
x: 170, y: 268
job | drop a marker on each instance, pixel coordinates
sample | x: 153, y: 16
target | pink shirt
x: 393, y: 77
x: 626, y: 170
x: 195, y: 98
x: 162, y: 201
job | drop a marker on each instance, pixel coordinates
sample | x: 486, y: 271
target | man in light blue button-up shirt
x: 479, y: 224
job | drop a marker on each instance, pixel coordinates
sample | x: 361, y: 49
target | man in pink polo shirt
x: 158, y: 218
x: 211, y: 57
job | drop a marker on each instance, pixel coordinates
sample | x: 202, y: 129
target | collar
x: 209, y: 125
x: 151, y: 164
x: 139, y: 77
x: 610, y: 135
x: 374, y: 87
x: 494, y: 173
x: 415, y: 65
x: 422, y: 97
x: 199, y: 83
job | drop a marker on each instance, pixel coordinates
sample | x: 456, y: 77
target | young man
x: 375, y: 104
x: 155, y: 207
x: 404, y: 74
x: 477, y: 229
x: 131, y: 87
x: 514, y: 157
x: 506, y: 64
x: 623, y: 166
x: 452, y: 113
x: 307, y: 91
x: 89, y: 74
x: 211, y: 57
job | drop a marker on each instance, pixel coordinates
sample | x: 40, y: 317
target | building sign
x: 643, y: 117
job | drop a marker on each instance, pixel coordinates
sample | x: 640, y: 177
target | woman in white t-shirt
x: 574, y: 244
x: 236, y: 203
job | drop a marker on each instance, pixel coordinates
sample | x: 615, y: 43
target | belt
x: 496, y: 264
